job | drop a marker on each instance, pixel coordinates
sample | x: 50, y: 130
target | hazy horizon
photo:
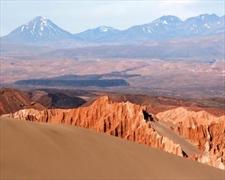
x: 78, y: 16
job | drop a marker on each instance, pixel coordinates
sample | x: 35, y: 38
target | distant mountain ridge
x: 167, y: 27
x: 41, y: 29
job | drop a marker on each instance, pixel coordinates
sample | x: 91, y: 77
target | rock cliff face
x: 126, y: 120
x: 202, y: 129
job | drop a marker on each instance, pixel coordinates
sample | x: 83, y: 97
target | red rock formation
x: 202, y: 129
x: 124, y: 119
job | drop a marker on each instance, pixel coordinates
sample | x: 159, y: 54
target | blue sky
x: 76, y: 16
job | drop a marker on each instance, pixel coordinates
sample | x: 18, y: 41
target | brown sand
x: 45, y: 151
x: 164, y: 129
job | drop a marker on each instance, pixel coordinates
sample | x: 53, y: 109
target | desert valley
x: 146, y: 102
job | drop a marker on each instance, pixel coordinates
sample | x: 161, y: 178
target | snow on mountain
x: 167, y: 27
x: 105, y: 28
x: 161, y: 28
x: 200, y: 24
x: 168, y: 20
x: 99, y: 33
x: 41, y: 29
x: 38, y: 29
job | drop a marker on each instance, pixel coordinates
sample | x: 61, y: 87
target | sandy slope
x: 38, y: 151
x: 164, y: 129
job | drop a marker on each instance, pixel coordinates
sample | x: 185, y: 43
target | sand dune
x: 46, y: 151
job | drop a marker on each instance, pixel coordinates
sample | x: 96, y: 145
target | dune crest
x: 47, y: 151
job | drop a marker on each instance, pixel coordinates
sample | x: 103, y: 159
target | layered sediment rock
x: 126, y: 120
x: 202, y: 129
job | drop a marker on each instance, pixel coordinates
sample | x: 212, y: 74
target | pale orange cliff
x: 202, y: 129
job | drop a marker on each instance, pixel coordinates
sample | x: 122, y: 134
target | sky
x: 76, y: 16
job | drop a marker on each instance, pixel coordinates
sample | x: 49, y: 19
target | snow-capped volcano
x: 38, y: 29
x: 167, y: 20
x: 37, y: 25
x: 98, y: 33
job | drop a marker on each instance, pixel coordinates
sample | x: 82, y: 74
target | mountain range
x: 41, y: 29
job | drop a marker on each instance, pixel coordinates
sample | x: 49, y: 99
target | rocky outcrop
x: 202, y: 129
x: 56, y: 99
x: 126, y: 120
x: 12, y: 100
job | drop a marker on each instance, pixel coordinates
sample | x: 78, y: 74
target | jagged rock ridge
x: 125, y: 120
